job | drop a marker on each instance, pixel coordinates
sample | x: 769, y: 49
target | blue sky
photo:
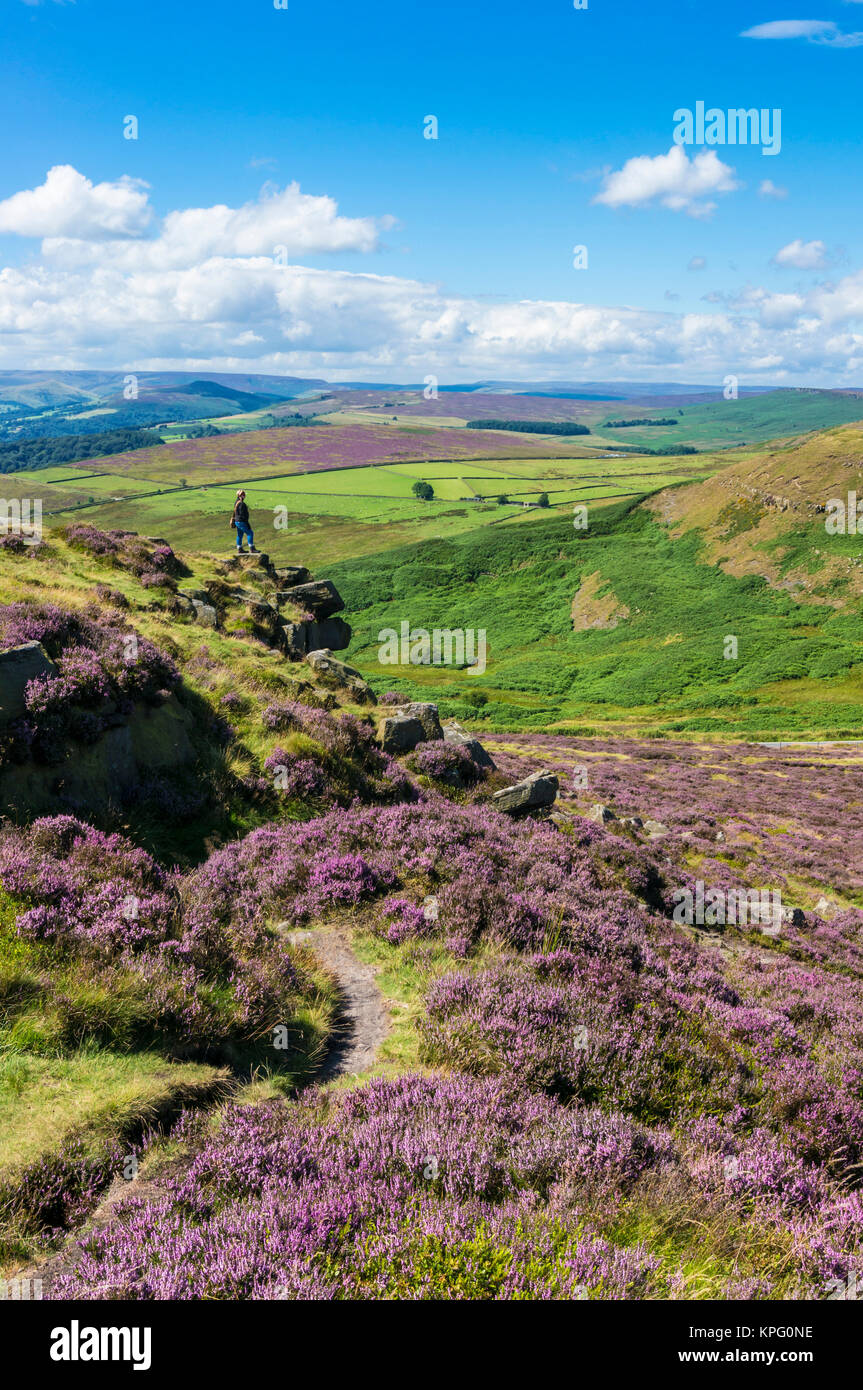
x: 538, y: 105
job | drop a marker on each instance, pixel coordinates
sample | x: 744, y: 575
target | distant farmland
x: 259, y: 453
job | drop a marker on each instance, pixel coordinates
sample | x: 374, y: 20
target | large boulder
x: 454, y: 733
x: 339, y: 676
x: 332, y: 634
x: 289, y: 575
x: 535, y: 792
x: 18, y: 665
x: 153, y: 739
x: 320, y: 598
x: 428, y: 716
x: 298, y: 639
x: 401, y: 733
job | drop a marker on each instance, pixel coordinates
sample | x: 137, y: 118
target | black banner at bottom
x: 83, y: 1340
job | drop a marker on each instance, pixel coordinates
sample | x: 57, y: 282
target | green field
x: 340, y: 513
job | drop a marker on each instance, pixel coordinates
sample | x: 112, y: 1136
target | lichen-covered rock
x: 454, y: 733
x: 205, y: 614
x: 337, y: 674
x: 536, y: 791
x: 401, y: 733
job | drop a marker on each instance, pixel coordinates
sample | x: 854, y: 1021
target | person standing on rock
x: 240, y: 522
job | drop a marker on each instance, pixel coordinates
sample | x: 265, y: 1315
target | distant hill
x: 765, y: 515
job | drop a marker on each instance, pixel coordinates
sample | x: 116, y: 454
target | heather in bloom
x: 103, y: 667
x: 423, y: 1187
x: 165, y: 971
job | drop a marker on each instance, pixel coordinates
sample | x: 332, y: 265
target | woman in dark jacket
x: 240, y: 521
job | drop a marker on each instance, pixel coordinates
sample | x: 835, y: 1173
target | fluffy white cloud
x: 813, y: 30
x: 85, y: 225
x: 768, y: 189
x: 68, y: 205
x: 802, y: 255
x: 674, y: 180
x: 199, y: 296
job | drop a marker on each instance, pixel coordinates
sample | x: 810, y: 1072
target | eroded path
x: 365, y: 1019
x: 363, y: 1023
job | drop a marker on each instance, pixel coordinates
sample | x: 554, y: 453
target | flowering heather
x: 446, y: 762
x: 300, y: 777
x: 452, y: 1192
x: 266, y: 452
x: 777, y: 816
x: 343, y: 746
x: 99, y: 672
x: 106, y: 908
x: 155, y: 564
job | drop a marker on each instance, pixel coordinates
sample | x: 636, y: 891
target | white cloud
x: 769, y: 189
x: 697, y: 263
x: 200, y: 296
x: 286, y: 222
x: 802, y: 255
x: 68, y: 204
x: 823, y: 31
x: 672, y: 179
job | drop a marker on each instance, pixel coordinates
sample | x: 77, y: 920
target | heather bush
x: 446, y: 762
x: 154, y: 563
x: 100, y: 672
x: 448, y: 1198
x: 125, y: 957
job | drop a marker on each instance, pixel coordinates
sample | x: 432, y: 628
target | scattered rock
x: 794, y: 916
x: 321, y: 598
x: 429, y: 719
x: 400, y: 733
x: 656, y: 829
x: 601, y: 814
x: 454, y: 733
x: 205, y: 614
x: 18, y: 665
x: 825, y: 908
x: 330, y: 671
x: 540, y: 789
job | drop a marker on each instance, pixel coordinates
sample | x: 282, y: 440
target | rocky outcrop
x: 339, y: 676
x: 534, y: 793
x: 18, y: 665
x: 242, y: 610
x: 96, y: 776
x: 320, y: 598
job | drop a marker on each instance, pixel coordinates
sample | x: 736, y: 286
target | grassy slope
x: 798, y: 666
x: 55, y: 1095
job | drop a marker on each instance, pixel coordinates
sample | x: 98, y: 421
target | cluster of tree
x: 625, y: 424
x: 424, y: 491
x: 197, y: 432
x: 70, y: 448
x: 670, y: 449
x: 530, y: 426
